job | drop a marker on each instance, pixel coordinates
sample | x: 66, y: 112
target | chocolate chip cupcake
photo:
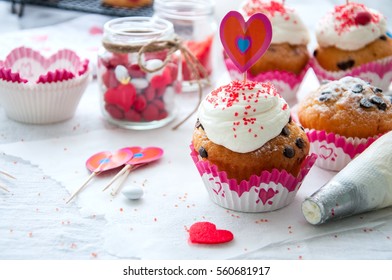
x: 285, y: 63
x: 352, y: 41
x: 342, y: 118
x: 251, y: 155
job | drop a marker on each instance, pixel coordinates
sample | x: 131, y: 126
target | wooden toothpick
x: 4, y: 188
x: 6, y: 174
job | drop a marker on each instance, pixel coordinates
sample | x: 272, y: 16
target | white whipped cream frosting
x: 340, y: 28
x: 287, y: 26
x: 243, y: 116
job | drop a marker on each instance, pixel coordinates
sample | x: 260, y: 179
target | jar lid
x: 137, y: 30
x: 184, y: 9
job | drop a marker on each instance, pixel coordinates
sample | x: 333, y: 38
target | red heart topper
x: 206, y: 233
x: 245, y: 42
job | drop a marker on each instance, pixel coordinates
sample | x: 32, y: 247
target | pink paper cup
x: 39, y: 90
x: 286, y: 83
x: 378, y: 73
x: 333, y: 151
x: 266, y: 192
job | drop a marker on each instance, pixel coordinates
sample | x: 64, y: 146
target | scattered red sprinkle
x: 94, y: 255
x: 255, y: 6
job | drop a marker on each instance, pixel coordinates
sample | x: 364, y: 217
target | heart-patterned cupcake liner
x: 25, y: 65
x: 261, y: 193
x: 378, y: 73
x: 286, y: 83
x: 39, y: 90
x: 334, y: 151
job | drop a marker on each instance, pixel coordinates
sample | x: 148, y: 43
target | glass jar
x: 137, y: 90
x: 194, y: 22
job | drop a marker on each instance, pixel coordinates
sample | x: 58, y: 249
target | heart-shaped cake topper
x: 104, y: 161
x: 245, y: 41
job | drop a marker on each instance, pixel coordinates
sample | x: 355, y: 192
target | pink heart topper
x: 104, y: 161
x: 245, y: 42
x: 145, y: 155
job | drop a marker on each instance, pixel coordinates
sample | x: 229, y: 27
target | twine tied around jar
x: 197, y: 71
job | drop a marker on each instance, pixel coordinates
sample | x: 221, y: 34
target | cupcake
x: 286, y: 61
x: 352, y: 41
x: 252, y: 157
x: 342, y: 118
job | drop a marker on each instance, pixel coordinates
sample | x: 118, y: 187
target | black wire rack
x: 87, y: 6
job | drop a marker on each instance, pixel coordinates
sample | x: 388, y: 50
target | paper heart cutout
x: 145, y: 155
x: 325, y: 152
x: 104, y: 161
x: 31, y: 66
x: 245, y: 42
x: 266, y: 195
x: 206, y: 233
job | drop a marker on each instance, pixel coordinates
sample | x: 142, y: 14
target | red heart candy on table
x: 206, y: 233
x: 104, y: 161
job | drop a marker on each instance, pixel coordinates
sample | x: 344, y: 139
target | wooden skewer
x: 121, y: 172
x: 92, y: 175
x: 127, y: 168
x: 4, y: 188
x: 121, y: 182
x: 6, y: 174
x: 82, y: 186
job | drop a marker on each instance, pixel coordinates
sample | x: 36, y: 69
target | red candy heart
x: 206, y: 233
x: 123, y: 96
x: 363, y: 18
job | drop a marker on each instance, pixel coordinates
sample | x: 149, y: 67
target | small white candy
x: 151, y: 65
x: 139, y: 83
x: 121, y: 74
x: 133, y: 192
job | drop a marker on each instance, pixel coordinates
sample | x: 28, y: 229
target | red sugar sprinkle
x: 94, y: 255
x: 255, y: 6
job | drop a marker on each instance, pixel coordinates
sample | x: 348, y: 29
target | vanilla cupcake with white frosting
x: 352, y: 41
x: 286, y: 61
x: 252, y: 157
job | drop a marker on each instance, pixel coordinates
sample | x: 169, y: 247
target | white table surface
x: 48, y: 162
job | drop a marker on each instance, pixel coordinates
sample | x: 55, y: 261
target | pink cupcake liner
x: 285, y: 82
x: 24, y: 65
x: 378, y: 73
x: 266, y: 192
x: 39, y: 90
x: 334, y: 151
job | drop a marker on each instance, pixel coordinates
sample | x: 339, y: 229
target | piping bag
x: 365, y: 184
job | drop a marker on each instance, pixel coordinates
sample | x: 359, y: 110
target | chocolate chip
x: 285, y: 131
x: 301, y: 127
x: 290, y: 119
x: 198, y: 124
x: 300, y: 142
x: 326, y: 92
x: 315, y: 53
x: 288, y: 152
x: 344, y: 65
x: 358, y: 88
x: 203, y: 153
x: 383, y: 37
x: 377, y: 90
x: 324, y: 97
x: 379, y: 102
x: 364, y: 102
